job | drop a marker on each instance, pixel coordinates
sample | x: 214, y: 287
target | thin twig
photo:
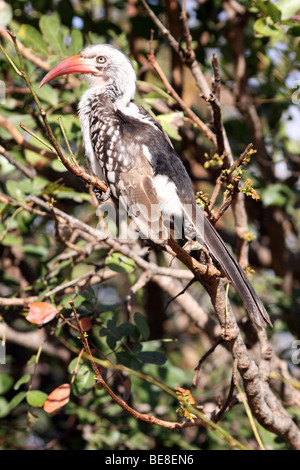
x: 216, y: 86
x: 141, y: 282
x: 16, y: 69
x: 203, y: 358
x: 74, y: 161
x: 161, y: 27
x: 27, y: 171
x: 181, y: 292
x: 214, y: 100
x: 228, y: 400
x: 189, y: 54
x: 62, y: 240
x: 228, y: 201
x: 42, y: 141
x: 78, y: 282
x: 218, y: 125
x: 226, y: 174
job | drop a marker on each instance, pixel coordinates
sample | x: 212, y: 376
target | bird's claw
x: 102, y: 196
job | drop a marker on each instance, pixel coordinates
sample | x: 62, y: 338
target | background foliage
x: 259, y: 106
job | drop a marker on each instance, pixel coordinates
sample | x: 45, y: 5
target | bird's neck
x: 120, y: 101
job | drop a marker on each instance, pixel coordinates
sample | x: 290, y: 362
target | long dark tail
x: 236, y: 274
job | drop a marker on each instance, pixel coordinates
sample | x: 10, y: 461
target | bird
x: 128, y: 147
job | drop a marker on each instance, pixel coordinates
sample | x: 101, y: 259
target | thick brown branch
x: 216, y: 107
x: 198, y: 269
x: 33, y: 341
x: 17, y: 302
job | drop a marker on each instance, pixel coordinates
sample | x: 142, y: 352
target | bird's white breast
x: 84, y: 110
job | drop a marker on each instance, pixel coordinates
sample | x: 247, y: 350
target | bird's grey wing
x: 138, y: 196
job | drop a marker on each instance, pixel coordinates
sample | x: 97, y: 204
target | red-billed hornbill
x: 127, y: 146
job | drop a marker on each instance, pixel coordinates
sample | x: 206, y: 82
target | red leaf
x: 59, y: 397
x: 86, y: 324
x: 41, y: 312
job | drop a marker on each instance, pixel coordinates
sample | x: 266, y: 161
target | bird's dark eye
x: 101, y: 59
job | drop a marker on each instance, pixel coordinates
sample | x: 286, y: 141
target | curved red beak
x: 75, y: 64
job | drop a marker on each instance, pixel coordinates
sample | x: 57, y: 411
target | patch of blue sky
x: 77, y: 22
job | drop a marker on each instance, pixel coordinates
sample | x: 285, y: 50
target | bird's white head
x: 104, y: 67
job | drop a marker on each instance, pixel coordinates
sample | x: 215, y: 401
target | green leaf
x: 21, y: 381
x: 35, y: 186
x: 47, y: 93
x: 288, y: 8
x: 125, y: 329
x: 17, y: 399
x: 6, y: 382
x: 12, y: 240
x: 76, y: 44
x: 111, y: 341
x: 32, y: 360
x: 274, y: 12
x: 120, y: 263
x: 170, y: 123
x: 158, y: 93
x: 266, y: 27
x: 111, y: 325
x: 31, y: 37
x: 152, y: 357
x: 14, y: 189
x: 74, y: 364
x: 66, y: 193
x: 128, y: 360
x: 261, y: 5
x: 84, y: 380
x: 4, y: 407
x: 294, y: 31
x: 51, y: 30
x: 58, y: 166
x: 34, y: 250
x: 78, y: 301
x: 36, y: 398
x: 142, y: 325
x: 276, y: 195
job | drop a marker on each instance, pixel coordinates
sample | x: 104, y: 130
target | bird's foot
x: 191, y: 245
x: 205, y: 256
x: 102, y: 196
